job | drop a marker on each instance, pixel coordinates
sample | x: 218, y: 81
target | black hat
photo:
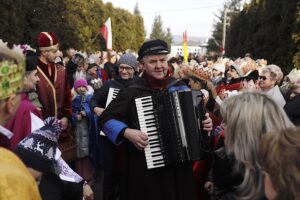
x: 31, y: 60
x: 153, y: 47
x: 251, y: 75
x: 91, y: 65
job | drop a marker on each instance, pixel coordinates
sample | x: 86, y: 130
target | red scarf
x: 156, y: 84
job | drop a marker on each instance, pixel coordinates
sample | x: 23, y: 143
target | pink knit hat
x: 80, y: 82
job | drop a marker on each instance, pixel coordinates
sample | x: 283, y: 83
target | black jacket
x: 53, y: 188
x: 100, y: 96
x: 292, y: 109
x: 174, y: 182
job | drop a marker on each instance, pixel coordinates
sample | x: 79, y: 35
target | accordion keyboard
x: 146, y: 115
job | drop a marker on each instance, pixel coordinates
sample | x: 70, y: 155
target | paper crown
x: 199, y: 73
x: 12, y: 68
x: 47, y: 41
x: 244, y: 66
x: 248, y: 65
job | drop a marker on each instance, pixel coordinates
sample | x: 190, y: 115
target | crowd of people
x: 63, y: 118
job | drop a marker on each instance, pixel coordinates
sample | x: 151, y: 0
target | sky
x: 194, y: 16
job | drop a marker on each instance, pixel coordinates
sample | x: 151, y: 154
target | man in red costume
x: 53, y: 88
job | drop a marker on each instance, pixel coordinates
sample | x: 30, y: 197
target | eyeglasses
x: 263, y: 77
x: 125, y: 68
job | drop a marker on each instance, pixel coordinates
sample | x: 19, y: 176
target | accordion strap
x: 144, y: 87
x: 117, y: 83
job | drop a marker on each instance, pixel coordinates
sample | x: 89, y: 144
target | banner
x: 185, y: 50
x: 105, y: 30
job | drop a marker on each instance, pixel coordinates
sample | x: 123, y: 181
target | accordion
x: 112, y: 94
x: 172, y: 123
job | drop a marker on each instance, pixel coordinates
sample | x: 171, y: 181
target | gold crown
x: 12, y: 68
x: 199, y: 73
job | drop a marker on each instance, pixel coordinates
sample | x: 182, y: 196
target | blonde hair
x: 279, y: 157
x: 248, y: 116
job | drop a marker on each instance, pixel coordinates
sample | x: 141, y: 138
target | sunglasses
x: 263, y: 77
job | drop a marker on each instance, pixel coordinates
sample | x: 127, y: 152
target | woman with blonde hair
x: 279, y: 156
x: 236, y: 170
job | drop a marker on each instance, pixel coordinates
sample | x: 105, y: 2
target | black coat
x: 174, y: 182
x: 292, y: 109
x: 100, y: 96
x: 53, y: 188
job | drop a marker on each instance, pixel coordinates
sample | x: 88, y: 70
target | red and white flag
x: 105, y: 30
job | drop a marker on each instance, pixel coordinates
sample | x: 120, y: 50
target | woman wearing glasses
x: 269, y: 79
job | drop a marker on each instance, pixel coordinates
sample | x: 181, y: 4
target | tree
x: 136, y: 10
x: 158, y: 31
x: 232, y: 6
x: 268, y: 29
x: 75, y: 22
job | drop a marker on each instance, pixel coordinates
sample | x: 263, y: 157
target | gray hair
x: 275, y: 73
x: 248, y: 116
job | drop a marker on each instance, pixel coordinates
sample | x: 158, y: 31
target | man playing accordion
x: 120, y: 124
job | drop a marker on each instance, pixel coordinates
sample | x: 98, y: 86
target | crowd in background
x: 253, y: 149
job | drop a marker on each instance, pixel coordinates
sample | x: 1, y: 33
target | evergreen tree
x: 136, y: 10
x: 169, y: 37
x: 139, y: 29
x: 268, y: 29
x: 158, y: 31
x: 232, y: 7
x: 75, y: 22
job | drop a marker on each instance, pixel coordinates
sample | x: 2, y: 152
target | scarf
x: 156, y: 84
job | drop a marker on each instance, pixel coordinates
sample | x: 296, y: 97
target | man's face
x: 92, y: 71
x: 50, y: 55
x: 194, y: 84
x: 126, y: 71
x: 232, y: 73
x: 31, y: 80
x: 156, y: 65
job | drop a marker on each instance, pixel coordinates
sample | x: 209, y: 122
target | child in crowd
x: 39, y: 151
x: 81, y: 119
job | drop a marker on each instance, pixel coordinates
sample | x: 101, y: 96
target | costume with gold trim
x: 54, y: 90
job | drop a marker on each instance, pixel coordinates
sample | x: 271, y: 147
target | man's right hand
x: 98, y: 111
x: 136, y: 137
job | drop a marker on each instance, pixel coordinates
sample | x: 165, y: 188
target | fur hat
x: 38, y: 149
x: 128, y: 59
x: 153, y: 47
x: 47, y: 41
x: 80, y: 82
